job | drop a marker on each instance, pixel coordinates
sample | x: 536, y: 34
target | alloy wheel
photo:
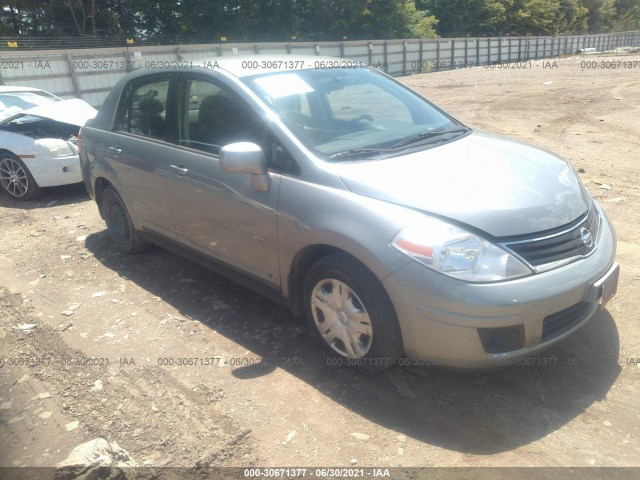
x: 13, y: 177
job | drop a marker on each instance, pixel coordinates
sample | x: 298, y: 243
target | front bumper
x: 452, y: 323
x: 51, y: 172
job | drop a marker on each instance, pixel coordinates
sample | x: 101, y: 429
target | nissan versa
x: 332, y: 188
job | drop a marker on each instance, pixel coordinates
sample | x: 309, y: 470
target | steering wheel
x: 360, y: 118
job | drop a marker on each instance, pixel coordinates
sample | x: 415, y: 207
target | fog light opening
x: 503, y: 339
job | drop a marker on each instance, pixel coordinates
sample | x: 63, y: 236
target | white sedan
x: 38, y: 135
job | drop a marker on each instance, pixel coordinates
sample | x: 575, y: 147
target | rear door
x: 138, y: 151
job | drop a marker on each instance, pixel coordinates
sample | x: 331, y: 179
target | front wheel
x: 352, y: 314
x: 16, y: 179
x: 119, y: 223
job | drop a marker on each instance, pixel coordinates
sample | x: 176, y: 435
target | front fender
x: 311, y: 214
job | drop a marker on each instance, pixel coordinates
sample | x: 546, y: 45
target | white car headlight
x: 57, y: 147
x: 458, y: 253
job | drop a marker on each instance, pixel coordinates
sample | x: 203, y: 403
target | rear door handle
x: 115, y: 150
x: 178, y: 170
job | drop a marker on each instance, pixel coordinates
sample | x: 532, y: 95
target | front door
x: 221, y: 214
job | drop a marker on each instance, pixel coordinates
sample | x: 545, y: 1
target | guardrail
x: 91, y: 73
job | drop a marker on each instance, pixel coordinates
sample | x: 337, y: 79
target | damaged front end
x: 39, y: 147
x: 59, y: 120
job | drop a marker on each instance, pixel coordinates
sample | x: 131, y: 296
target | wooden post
x: 74, y: 79
x: 453, y: 53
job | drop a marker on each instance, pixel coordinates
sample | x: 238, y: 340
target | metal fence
x: 90, y: 73
x: 98, y: 41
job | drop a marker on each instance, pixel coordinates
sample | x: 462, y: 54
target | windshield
x: 15, y: 102
x: 22, y: 119
x: 353, y: 112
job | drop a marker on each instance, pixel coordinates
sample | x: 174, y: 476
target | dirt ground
x: 260, y: 392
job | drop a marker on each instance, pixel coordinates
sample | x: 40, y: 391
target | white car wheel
x: 16, y: 179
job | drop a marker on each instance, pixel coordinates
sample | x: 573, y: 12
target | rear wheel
x: 119, y: 223
x: 16, y: 179
x: 352, y: 314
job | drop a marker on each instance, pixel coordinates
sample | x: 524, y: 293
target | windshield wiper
x: 428, y: 136
x: 358, y: 152
x: 425, y: 136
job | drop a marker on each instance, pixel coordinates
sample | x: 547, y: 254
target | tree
x: 461, y: 18
x: 627, y: 15
x: 531, y: 17
x: 316, y: 19
x: 571, y: 18
x: 601, y: 15
x: 397, y: 19
x: 517, y: 17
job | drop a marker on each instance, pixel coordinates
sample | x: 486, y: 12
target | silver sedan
x: 400, y: 233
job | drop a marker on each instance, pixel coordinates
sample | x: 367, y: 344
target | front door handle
x: 116, y: 151
x: 178, y: 170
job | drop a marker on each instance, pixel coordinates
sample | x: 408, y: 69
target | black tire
x: 367, y: 309
x: 16, y: 179
x: 119, y: 223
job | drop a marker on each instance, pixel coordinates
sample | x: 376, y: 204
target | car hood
x: 500, y: 186
x: 73, y: 112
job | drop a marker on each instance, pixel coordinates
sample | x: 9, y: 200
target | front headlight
x: 57, y: 147
x: 458, y: 253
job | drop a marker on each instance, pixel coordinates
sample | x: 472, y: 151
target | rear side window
x: 142, y: 108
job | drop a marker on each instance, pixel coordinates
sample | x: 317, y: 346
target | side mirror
x: 246, y: 157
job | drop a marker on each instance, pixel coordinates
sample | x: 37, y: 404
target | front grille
x: 562, y: 246
x: 564, y: 320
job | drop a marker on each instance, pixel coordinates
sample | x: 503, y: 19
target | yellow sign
x: 129, y: 41
x: 12, y: 44
x: 223, y: 39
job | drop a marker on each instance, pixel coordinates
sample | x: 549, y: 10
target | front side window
x: 142, y: 109
x: 337, y: 112
x: 212, y: 116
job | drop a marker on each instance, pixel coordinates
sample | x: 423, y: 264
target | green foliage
x: 532, y: 17
x: 602, y: 14
x: 627, y: 15
x: 316, y: 19
x: 395, y: 19
x: 459, y: 18
x: 571, y: 18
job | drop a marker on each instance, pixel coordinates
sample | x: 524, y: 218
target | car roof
x: 249, y: 65
x: 10, y: 89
